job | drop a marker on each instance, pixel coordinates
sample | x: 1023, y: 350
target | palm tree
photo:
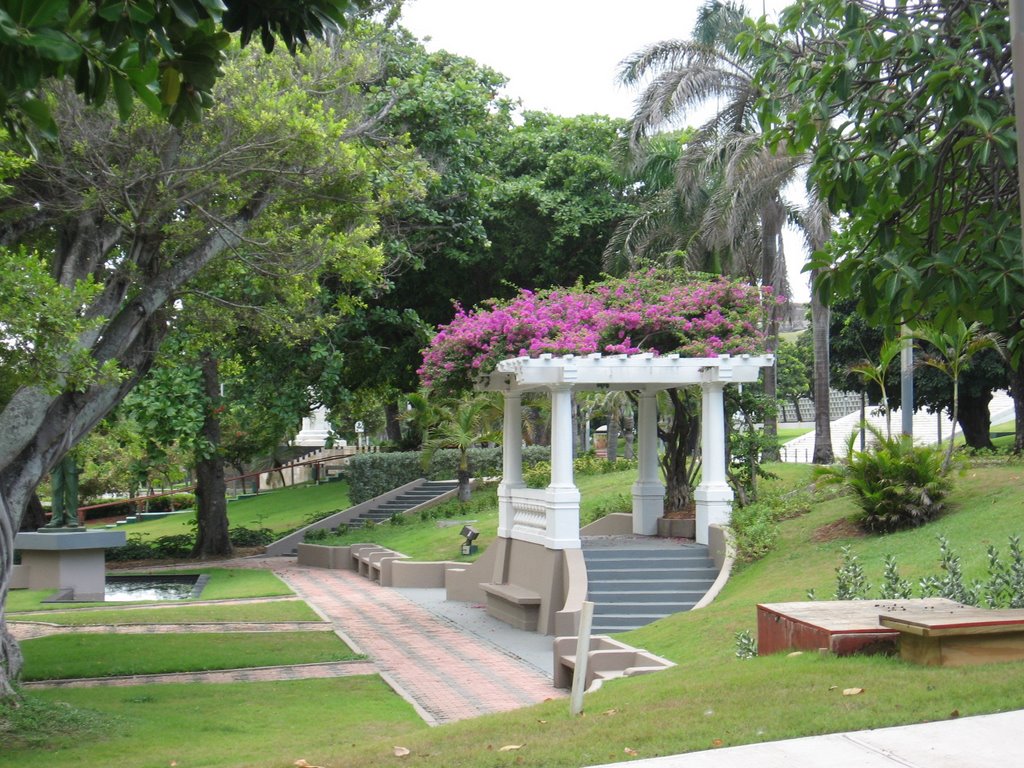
x: 951, y: 354
x: 726, y: 178
x: 876, y: 373
x: 463, y: 424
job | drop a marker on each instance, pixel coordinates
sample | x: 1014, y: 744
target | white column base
x: 648, y: 506
x: 563, y: 518
x: 714, y: 507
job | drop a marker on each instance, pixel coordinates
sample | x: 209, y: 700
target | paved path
x: 445, y: 672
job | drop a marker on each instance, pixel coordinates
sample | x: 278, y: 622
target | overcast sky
x: 562, y: 55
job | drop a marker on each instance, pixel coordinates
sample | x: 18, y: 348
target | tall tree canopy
x: 908, y: 114
x: 166, y: 53
x: 272, y: 182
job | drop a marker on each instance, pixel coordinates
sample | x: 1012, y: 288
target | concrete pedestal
x: 72, y: 560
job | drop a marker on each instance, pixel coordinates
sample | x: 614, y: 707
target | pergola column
x: 648, y: 490
x: 563, y: 497
x: 713, y: 495
x: 511, y: 460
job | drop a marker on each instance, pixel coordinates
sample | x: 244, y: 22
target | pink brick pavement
x: 448, y: 675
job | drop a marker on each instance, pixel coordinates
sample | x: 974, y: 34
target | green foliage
x: 1003, y: 587
x: 179, y: 546
x: 34, y: 723
x: 371, y: 474
x: 755, y: 527
x: 167, y: 54
x: 538, y: 474
x: 897, y: 484
x: 746, y: 644
x: 851, y: 581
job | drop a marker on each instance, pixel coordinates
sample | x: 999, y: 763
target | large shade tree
x: 130, y: 213
x: 918, y: 150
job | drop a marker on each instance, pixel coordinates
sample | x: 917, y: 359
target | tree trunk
x: 975, y: 421
x: 629, y: 428
x: 822, y: 391
x: 772, y: 275
x: 211, y: 491
x: 679, y: 461
x: 613, y: 433
x: 392, y: 424
x: 35, y: 515
x: 1017, y: 391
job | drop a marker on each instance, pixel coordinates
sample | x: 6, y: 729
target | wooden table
x: 959, y: 636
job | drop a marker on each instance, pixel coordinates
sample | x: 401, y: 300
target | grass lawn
x: 64, y: 656
x: 224, y: 584
x: 278, y: 610
x: 791, y: 433
x: 279, y: 510
x: 710, y: 699
x: 438, y: 539
x: 233, y: 724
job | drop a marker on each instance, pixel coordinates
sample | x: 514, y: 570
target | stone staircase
x: 632, y: 585
x: 401, y: 504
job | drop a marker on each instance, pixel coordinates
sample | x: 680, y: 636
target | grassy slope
x: 711, y: 698
x: 279, y: 510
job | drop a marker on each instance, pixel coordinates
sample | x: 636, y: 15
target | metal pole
x: 907, y: 382
x: 579, y: 677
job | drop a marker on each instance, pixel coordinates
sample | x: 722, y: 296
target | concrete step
x: 624, y: 622
x: 661, y: 610
x: 659, y: 575
x: 654, y: 563
x: 640, y: 597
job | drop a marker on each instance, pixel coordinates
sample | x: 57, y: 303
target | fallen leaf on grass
x: 610, y: 712
x: 955, y: 713
x: 510, y: 747
x: 717, y: 742
x: 542, y: 722
x: 852, y: 691
x: 401, y: 751
x: 794, y: 653
x: 631, y: 751
x: 300, y: 763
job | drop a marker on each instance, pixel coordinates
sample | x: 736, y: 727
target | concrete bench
x: 372, y: 561
x: 607, y: 659
x: 517, y: 606
x: 959, y: 636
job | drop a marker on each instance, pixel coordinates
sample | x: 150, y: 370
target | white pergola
x: 551, y: 516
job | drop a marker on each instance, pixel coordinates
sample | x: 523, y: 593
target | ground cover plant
x: 89, y: 655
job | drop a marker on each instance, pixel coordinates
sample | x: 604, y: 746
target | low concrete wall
x: 462, y: 581
x: 409, y: 573
x: 320, y: 556
x: 723, y: 553
x: 567, y: 620
x: 606, y: 659
x: 19, y: 577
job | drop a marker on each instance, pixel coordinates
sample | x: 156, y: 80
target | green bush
x: 371, y: 474
x: 251, y: 537
x: 897, y: 484
x: 539, y: 474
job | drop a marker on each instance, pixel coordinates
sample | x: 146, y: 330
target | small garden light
x: 470, y: 534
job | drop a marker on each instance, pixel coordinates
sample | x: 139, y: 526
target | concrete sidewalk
x: 969, y: 742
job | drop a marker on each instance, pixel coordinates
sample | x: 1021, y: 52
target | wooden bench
x: 958, y: 636
x: 513, y: 604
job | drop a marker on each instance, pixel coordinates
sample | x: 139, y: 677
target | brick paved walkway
x: 446, y: 674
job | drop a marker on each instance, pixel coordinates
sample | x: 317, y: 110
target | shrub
x: 539, y: 474
x: 755, y: 527
x: 371, y: 474
x: 897, y: 484
x: 251, y: 537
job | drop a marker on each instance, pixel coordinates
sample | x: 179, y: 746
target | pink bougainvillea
x: 654, y: 311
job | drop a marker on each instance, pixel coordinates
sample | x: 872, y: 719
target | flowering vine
x: 657, y: 311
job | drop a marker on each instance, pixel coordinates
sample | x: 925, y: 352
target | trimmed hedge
x: 371, y: 474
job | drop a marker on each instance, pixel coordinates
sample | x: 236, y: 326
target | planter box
x: 677, y: 528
